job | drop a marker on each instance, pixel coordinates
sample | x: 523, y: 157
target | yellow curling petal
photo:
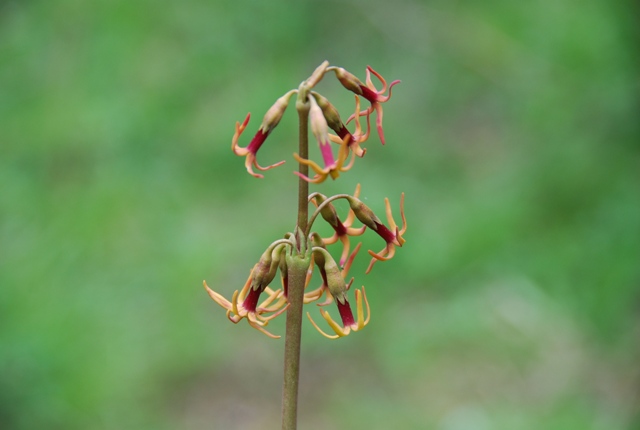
x: 234, y: 303
x: 263, y: 308
x: 263, y: 330
x: 259, y: 167
x: 315, y: 166
x: 330, y: 240
x: 218, y: 298
x: 234, y: 318
x: 346, y: 246
x: 359, y: 309
x: 359, y: 297
x: 351, y: 162
x: 245, y: 288
x: 349, y: 260
x: 404, y: 220
x: 252, y: 317
x: 272, y: 295
x: 234, y: 141
x: 314, y: 295
x: 334, y: 325
x: 386, y: 254
x: 392, y: 223
x: 274, y: 315
x: 320, y: 330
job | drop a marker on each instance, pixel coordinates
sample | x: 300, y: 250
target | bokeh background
x: 515, y: 303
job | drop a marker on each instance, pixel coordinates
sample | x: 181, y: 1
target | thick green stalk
x: 297, y: 274
x: 303, y: 143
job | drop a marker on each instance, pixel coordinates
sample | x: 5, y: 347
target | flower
x: 342, y: 231
x: 244, y: 303
x: 269, y: 122
x: 336, y: 289
x: 369, y: 91
x: 392, y: 235
x: 320, y: 130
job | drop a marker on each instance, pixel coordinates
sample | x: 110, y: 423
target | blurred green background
x: 515, y: 303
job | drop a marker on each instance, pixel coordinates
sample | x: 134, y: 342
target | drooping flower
x: 342, y: 230
x: 244, y: 303
x: 391, y: 235
x: 320, y: 130
x: 369, y: 91
x: 269, y: 122
x: 336, y: 289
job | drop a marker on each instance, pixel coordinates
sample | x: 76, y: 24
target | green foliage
x: 514, y: 134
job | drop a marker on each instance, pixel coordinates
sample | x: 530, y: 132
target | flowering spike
x: 256, y: 301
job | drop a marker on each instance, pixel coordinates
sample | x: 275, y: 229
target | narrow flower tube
x: 392, y: 235
x: 269, y: 122
x: 245, y: 303
x: 337, y: 288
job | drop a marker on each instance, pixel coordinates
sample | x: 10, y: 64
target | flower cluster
x: 245, y: 303
x: 323, y: 116
x: 305, y: 250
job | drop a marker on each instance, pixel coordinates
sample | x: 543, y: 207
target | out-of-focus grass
x: 514, y: 134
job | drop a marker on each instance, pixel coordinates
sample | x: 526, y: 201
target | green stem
x: 297, y: 273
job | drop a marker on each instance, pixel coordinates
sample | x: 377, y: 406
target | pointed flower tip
x: 246, y: 121
x: 399, y: 239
